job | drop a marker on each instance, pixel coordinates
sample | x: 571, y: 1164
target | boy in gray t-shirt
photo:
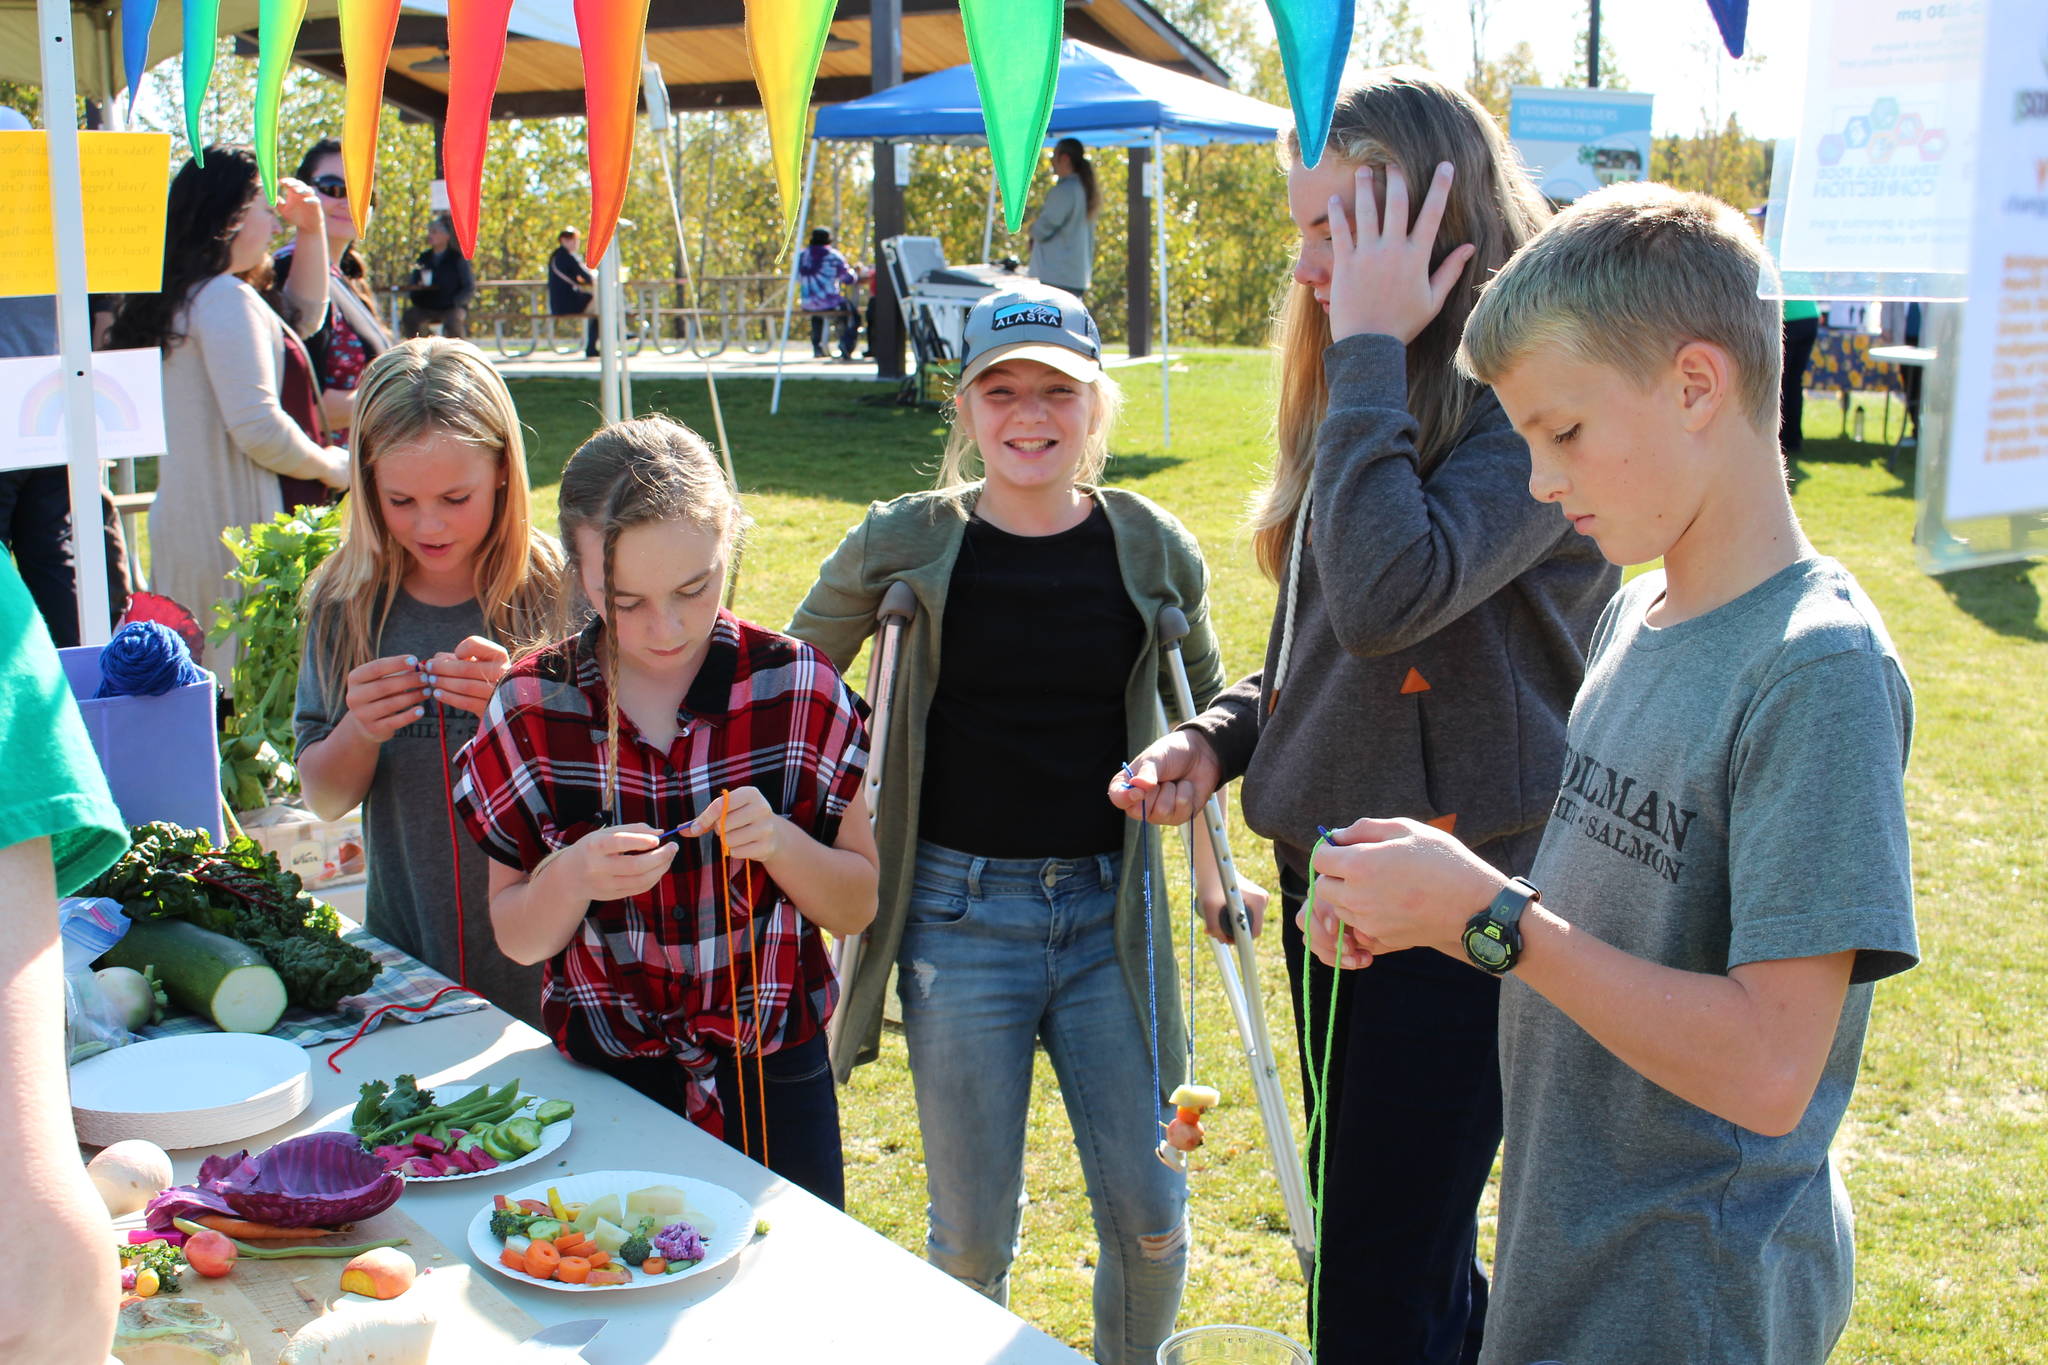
x: 1726, y: 868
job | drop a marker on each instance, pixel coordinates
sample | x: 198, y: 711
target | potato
x: 384, y: 1273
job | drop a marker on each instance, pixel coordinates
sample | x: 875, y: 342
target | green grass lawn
x: 1946, y: 1146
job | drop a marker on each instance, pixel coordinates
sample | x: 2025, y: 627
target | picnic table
x: 818, y: 1285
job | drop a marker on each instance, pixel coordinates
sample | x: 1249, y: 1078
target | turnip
x: 130, y: 1174
x: 134, y: 1000
x: 358, y: 1331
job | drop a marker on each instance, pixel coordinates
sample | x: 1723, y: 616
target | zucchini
x: 207, y: 973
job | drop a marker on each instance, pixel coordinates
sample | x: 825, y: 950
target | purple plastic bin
x: 161, y: 754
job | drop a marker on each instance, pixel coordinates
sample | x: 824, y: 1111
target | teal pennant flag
x: 1315, y: 38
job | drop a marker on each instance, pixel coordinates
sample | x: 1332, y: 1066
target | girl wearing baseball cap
x: 1012, y: 899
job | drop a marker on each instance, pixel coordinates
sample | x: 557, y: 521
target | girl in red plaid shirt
x: 610, y: 768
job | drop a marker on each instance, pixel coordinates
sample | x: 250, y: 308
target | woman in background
x: 1063, y: 233
x: 352, y: 336
x: 241, y: 410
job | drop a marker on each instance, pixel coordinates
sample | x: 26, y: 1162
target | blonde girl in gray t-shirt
x: 409, y: 625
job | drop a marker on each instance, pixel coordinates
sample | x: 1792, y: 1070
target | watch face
x: 1484, y: 949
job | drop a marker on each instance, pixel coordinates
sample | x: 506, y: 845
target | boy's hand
x: 1403, y: 884
x: 752, y: 828
x: 1334, y: 943
x: 1380, y: 280
x: 1177, y: 774
x: 384, y: 695
x: 620, y: 861
x: 467, y: 676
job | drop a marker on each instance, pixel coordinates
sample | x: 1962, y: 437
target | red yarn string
x: 454, y: 848
x: 375, y: 1014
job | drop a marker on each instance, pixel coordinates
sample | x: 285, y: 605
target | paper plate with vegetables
x: 458, y: 1132
x: 611, y: 1230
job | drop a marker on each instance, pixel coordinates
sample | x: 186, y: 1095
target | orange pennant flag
x: 611, y: 34
x: 367, y: 27
x: 476, y: 54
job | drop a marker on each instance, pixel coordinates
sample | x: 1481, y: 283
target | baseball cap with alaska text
x: 1044, y: 324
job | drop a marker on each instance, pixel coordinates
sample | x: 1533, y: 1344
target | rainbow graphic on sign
x: 42, y: 407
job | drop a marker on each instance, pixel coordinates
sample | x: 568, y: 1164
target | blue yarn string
x: 1151, y: 963
x: 146, y: 659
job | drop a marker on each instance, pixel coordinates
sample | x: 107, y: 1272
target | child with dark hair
x: 821, y: 273
x: 672, y: 803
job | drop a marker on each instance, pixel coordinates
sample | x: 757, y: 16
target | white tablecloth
x: 818, y: 1287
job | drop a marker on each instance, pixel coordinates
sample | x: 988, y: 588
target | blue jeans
x: 998, y: 954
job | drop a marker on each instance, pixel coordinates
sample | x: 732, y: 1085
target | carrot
x: 654, y: 1265
x: 599, y: 1260
x: 261, y: 1232
x: 512, y: 1260
x: 573, y: 1270
x: 571, y: 1243
x: 542, y: 1259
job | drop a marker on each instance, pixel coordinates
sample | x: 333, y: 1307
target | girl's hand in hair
x: 619, y: 861
x: 1380, y: 280
x: 384, y: 695
x: 752, y: 828
x: 1170, y: 781
x: 298, y: 207
x: 467, y: 676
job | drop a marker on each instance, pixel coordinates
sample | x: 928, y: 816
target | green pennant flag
x: 1015, y: 48
x: 277, y: 33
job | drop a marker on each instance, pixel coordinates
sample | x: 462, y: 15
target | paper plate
x: 195, y: 1090
x: 551, y: 1138
x: 723, y: 1219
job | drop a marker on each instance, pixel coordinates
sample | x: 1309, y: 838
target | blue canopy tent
x: 1103, y: 99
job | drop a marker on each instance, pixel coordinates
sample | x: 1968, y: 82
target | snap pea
x: 477, y: 1106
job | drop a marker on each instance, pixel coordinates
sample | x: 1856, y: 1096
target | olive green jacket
x: 915, y: 539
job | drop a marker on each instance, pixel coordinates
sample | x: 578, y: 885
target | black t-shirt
x: 1027, y: 722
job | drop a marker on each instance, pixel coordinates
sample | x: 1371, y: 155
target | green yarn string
x: 1319, y: 1082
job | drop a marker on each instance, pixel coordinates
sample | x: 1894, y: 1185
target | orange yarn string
x: 732, y: 963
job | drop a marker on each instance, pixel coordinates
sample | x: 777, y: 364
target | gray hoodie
x: 1440, y: 630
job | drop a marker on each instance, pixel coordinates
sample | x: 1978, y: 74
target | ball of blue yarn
x: 146, y: 659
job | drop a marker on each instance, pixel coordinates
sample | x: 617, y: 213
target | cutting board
x: 267, y: 1301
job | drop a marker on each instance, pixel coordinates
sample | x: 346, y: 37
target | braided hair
x: 650, y: 469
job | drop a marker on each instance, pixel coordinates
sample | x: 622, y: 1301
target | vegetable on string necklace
x: 1189, y: 1100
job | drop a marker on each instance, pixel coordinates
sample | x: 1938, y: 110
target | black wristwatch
x: 1493, y: 937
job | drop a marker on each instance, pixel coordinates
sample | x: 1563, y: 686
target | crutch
x: 1239, y: 965
x: 899, y: 605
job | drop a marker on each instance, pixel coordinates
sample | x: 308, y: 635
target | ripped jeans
x: 998, y: 954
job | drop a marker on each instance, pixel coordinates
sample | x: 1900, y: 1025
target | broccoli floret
x: 509, y: 1222
x: 647, y: 1227
x: 634, y: 1250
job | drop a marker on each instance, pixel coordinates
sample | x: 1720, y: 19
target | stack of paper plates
x: 197, y: 1090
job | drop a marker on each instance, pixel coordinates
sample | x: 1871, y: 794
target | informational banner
x: 1998, y: 434
x: 124, y: 178
x: 127, y: 405
x: 1881, y: 170
x: 1575, y: 141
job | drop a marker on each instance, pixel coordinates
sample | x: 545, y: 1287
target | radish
x: 210, y: 1253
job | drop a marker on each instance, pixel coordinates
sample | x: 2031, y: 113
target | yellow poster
x: 124, y: 178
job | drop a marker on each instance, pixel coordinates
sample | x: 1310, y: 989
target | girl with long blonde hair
x: 1429, y: 633
x: 671, y: 799
x: 409, y: 624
